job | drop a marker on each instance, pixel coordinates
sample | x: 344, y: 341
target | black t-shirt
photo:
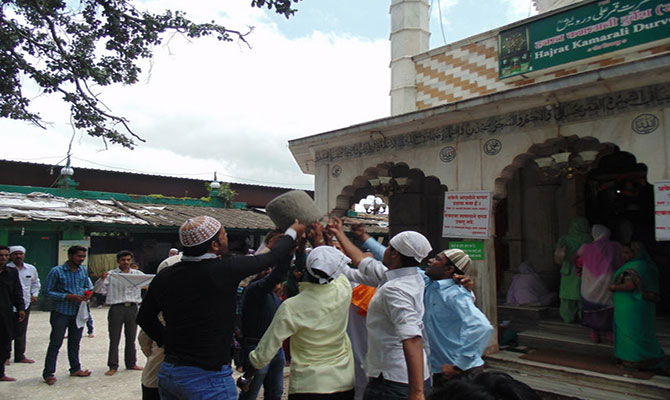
x: 198, y: 303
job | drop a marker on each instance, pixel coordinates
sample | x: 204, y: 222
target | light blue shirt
x: 458, y: 332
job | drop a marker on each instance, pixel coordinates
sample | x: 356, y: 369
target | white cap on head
x: 326, y: 263
x: 14, y: 249
x: 411, y: 244
x: 198, y: 230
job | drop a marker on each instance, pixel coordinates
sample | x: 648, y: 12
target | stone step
x: 539, y: 339
x: 580, y: 331
x: 578, y: 383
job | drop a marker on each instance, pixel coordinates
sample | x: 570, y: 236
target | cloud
x: 206, y: 106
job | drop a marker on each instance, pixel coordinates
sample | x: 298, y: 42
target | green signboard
x: 475, y: 249
x: 590, y: 30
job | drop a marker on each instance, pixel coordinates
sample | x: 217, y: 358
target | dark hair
x: 3, y: 247
x: 202, y: 248
x: 76, y: 249
x: 489, y: 385
x: 124, y: 253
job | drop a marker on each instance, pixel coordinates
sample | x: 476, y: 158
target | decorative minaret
x: 409, y: 36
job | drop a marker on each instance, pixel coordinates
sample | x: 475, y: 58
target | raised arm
x: 350, y: 249
x: 242, y: 267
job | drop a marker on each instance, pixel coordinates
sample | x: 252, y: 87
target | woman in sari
x: 567, y: 247
x: 599, y: 261
x: 636, y: 292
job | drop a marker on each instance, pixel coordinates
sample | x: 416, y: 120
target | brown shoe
x: 110, y: 372
x: 50, y: 380
x: 7, y: 379
x: 26, y: 361
x: 135, y: 368
x: 81, y: 373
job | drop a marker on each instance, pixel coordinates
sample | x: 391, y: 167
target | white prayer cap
x: 600, y: 231
x: 198, y: 230
x: 326, y: 263
x: 458, y: 257
x: 14, y: 249
x: 411, y: 244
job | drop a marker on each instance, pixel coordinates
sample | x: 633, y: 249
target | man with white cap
x: 197, y: 297
x: 397, y: 362
x: 322, y: 363
x: 30, y: 283
x: 458, y: 332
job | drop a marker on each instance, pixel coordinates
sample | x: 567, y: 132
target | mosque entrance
x: 536, y: 201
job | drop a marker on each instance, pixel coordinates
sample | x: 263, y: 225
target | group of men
x: 69, y: 288
x: 422, y: 327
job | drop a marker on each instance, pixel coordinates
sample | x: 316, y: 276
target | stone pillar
x: 409, y: 36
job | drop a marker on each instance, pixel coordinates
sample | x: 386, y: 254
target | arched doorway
x: 535, y: 204
x: 415, y: 201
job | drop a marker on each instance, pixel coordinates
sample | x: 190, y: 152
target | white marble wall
x: 474, y: 170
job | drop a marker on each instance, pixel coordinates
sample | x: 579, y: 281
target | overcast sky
x: 206, y: 106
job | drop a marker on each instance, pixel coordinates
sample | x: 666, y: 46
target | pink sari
x: 600, y: 259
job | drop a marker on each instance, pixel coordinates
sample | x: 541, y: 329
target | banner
x: 590, y: 30
x: 474, y: 249
x: 467, y: 215
x: 662, y: 210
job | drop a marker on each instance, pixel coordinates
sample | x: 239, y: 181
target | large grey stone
x: 284, y: 209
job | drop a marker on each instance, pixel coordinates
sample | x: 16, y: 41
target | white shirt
x: 30, y: 282
x: 395, y: 314
x: 117, y: 292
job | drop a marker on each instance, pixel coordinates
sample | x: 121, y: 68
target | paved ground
x: 124, y: 385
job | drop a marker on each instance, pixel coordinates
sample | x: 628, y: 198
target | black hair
x: 76, y: 249
x: 202, y: 248
x: 489, y: 385
x: 3, y: 247
x: 124, y: 253
x: 271, y: 234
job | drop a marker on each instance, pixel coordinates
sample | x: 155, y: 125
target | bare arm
x: 352, y: 251
x: 413, y: 350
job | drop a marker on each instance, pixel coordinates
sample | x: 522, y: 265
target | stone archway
x: 415, y: 200
x: 533, y: 209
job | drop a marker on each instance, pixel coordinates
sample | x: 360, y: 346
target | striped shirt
x: 62, y: 281
x: 118, y: 291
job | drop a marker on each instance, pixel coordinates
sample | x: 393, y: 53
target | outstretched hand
x: 315, y: 235
x: 335, y: 226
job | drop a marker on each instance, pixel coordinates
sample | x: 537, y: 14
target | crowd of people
x: 365, y: 322
x: 68, y: 287
x: 353, y: 318
x: 613, y: 289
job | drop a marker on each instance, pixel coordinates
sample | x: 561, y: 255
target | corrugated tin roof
x: 46, y: 207
x: 38, y: 206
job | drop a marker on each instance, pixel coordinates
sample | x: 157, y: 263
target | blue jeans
x: 60, y: 323
x: 271, y: 377
x: 183, y: 382
x: 382, y: 389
